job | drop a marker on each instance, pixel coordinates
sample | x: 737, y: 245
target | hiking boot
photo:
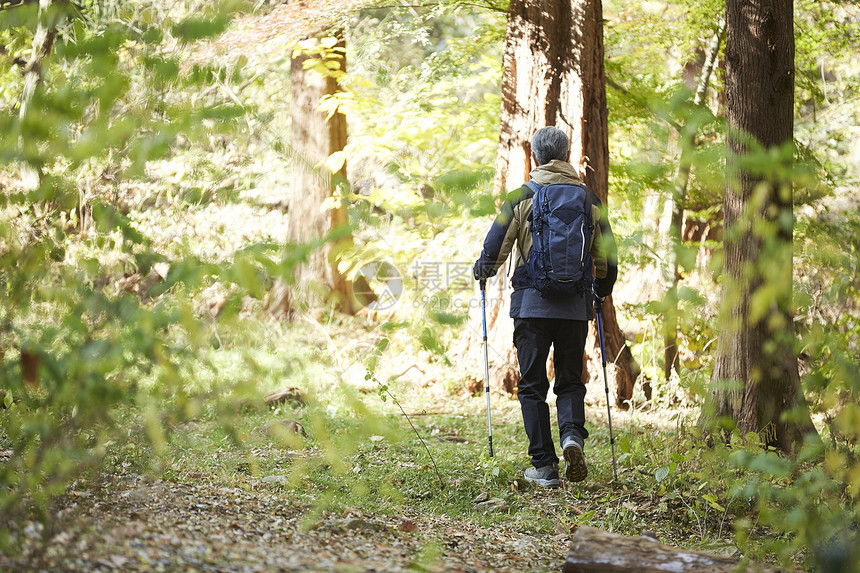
x: 574, y: 460
x: 546, y: 476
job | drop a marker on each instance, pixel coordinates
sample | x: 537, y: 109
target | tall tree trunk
x: 755, y: 379
x: 679, y: 199
x: 316, y: 135
x: 554, y: 75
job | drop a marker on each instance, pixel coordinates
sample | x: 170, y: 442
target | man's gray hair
x: 550, y: 143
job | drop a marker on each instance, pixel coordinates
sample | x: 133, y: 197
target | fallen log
x: 596, y: 551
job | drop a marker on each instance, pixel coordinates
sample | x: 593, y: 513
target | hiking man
x: 561, y: 230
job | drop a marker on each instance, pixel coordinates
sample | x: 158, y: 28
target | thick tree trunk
x: 554, y: 75
x: 755, y: 378
x: 315, y: 137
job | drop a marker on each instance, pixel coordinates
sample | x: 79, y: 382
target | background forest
x: 162, y: 274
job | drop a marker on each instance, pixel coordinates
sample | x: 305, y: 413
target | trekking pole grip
x: 598, y: 300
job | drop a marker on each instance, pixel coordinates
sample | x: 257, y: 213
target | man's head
x: 550, y: 143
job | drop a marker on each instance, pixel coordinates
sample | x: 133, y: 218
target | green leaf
x: 712, y: 501
x: 661, y: 473
x: 8, y: 400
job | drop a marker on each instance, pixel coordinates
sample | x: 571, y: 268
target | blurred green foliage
x: 75, y: 344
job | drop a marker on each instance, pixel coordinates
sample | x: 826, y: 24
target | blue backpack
x: 559, y: 264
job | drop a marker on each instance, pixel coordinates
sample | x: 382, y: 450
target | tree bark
x: 554, y: 75
x: 755, y: 379
x: 316, y: 135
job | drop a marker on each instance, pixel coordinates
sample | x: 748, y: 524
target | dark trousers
x: 533, y: 338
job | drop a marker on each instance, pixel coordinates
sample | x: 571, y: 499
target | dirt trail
x: 135, y: 524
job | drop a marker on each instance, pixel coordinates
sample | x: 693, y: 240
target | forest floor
x: 257, y: 508
x: 134, y: 524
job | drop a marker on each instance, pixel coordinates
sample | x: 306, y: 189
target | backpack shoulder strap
x: 534, y: 218
x: 539, y: 192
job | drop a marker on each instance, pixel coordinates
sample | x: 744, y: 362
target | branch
x: 616, y: 86
x: 705, y: 78
x: 383, y: 390
x: 701, y: 91
x: 43, y: 41
x: 679, y: 200
x: 10, y: 4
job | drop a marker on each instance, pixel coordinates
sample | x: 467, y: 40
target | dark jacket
x: 512, y: 226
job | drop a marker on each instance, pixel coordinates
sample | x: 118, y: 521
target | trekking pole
x: 598, y: 305
x: 486, y: 362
